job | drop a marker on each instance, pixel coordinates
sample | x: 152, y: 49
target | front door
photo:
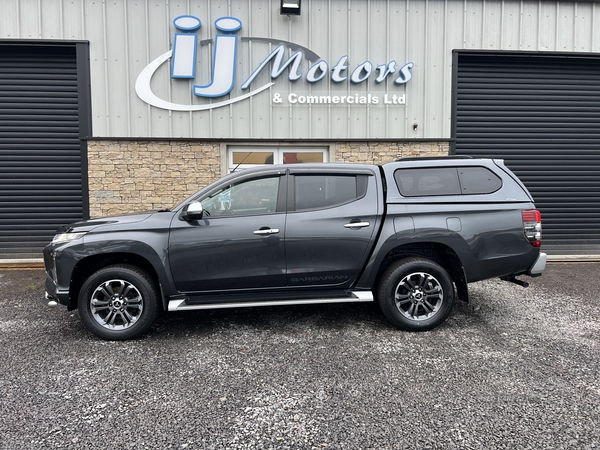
x: 238, y: 244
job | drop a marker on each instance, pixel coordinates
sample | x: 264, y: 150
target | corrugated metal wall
x: 41, y: 180
x: 125, y: 36
x: 541, y: 114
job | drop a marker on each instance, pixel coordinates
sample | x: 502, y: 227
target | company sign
x: 183, y: 58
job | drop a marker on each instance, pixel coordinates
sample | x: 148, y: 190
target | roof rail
x: 433, y: 158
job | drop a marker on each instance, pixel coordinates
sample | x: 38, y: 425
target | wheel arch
x: 87, y: 266
x: 438, y: 252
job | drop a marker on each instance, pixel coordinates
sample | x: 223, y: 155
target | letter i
x: 183, y: 61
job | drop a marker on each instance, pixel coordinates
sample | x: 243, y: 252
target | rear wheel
x: 416, y: 294
x: 118, y: 302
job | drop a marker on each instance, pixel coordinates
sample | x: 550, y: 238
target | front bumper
x: 54, y: 294
x: 538, y: 266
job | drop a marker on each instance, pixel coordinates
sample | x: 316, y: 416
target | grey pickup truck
x: 409, y: 235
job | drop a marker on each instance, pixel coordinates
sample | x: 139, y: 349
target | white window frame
x: 277, y: 154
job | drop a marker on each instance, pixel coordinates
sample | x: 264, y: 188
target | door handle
x: 357, y: 225
x: 266, y: 231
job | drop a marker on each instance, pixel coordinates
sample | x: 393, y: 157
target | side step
x: 354, y: 297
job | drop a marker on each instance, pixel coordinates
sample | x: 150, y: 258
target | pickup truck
x: 409, y: 234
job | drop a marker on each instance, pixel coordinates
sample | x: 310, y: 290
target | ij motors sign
x: 184, y: 56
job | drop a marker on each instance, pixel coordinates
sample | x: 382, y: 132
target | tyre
x: 416, y: 294
x: 118, y: 302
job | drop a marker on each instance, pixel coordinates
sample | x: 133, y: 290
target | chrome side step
x: 357, y: 297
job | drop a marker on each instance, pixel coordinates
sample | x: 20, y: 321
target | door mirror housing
x: 193, y: 211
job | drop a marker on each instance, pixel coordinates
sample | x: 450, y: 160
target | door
x: 540, y: 114
x: 330, y: 227
x: 44, y: 109
x: 238, y: 244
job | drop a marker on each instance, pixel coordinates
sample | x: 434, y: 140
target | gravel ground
x: 514, y: 369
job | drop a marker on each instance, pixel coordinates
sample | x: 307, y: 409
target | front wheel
x: 416, y: 294
x: 118, y: 302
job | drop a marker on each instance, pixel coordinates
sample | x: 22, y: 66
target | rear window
x: 325, y: 191
x: 424, y: 182
x: 478, y: 180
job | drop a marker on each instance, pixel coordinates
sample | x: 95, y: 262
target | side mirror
x: 193, y: 211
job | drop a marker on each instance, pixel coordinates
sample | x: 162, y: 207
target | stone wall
x: 129, y: 176
x: 382, y: 152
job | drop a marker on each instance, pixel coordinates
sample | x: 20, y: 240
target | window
x: 257, y: 196
x: 246, y: 157
x: 423, y: 182
x: 324, y: 191
x: 478, y: 180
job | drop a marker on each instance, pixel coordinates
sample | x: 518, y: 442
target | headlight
x: 66, y: 237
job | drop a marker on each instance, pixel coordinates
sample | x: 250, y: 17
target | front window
x: 250, y: 197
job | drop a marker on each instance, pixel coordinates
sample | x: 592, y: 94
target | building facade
x: 109, y: 107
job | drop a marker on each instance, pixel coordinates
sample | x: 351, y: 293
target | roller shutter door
x: 41, y: 183
x: 541, y: 114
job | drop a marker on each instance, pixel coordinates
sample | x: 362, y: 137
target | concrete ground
x: 514, y: 369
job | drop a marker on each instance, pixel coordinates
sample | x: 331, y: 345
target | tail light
x: 532, y: 226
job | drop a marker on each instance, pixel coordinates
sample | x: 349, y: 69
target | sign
x: 183, y: 58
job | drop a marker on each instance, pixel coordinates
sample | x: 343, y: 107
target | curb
x: 33, y: 263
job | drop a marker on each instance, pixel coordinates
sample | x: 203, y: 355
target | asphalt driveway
x: 514, y: 369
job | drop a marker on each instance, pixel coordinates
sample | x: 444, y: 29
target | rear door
x: 332, y: 218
